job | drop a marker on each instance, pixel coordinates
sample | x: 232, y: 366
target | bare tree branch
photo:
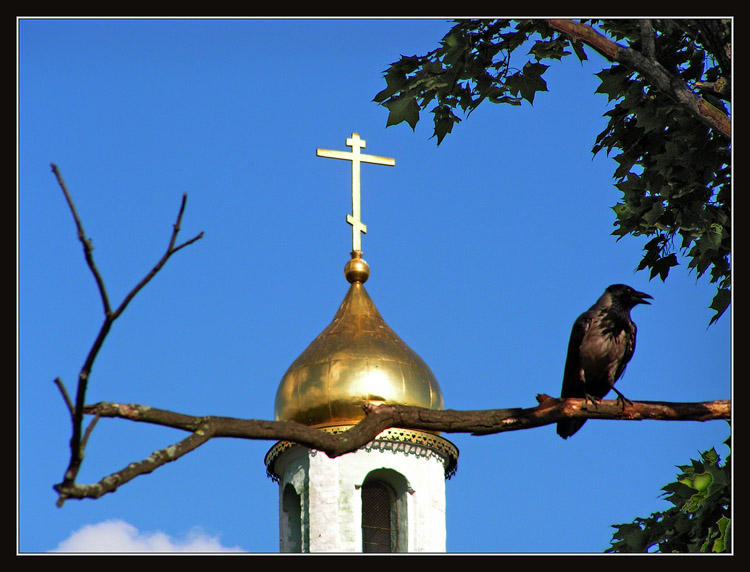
x: 650, y: 69
x: 171, y: 249
x: 112, y: 482
x: 647, y: 39
x: 88, y: 245
x: 378, y: 418
x: 78, y: 439
x: 65, y: 396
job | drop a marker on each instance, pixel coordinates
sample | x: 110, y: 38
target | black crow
x: 601, y: 345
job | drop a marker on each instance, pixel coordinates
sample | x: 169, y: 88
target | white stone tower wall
x: 330, y: 495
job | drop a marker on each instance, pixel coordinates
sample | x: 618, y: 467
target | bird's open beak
x: 640, y: 297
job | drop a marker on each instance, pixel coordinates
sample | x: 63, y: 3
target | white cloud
x: 120, y: 536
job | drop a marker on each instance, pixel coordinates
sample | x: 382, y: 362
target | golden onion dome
x: 357, y: 359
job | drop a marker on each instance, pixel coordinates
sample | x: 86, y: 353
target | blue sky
x: 482, y: 251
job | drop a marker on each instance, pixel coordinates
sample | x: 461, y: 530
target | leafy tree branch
x: 669, y: 126
x: 653, y: 72
x: 699, y: 521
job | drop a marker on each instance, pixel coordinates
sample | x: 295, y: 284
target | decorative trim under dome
x: 405, y: 441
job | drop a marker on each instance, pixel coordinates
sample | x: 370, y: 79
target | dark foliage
x: 700, y: 520
x: 673, y: 169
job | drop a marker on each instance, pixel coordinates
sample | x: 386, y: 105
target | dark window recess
x: 292, y: 513
x: 379, y: 522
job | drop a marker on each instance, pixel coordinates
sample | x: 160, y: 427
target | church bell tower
x: 388, y: 496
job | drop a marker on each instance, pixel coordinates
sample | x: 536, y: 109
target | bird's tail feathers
x: 569, y: 427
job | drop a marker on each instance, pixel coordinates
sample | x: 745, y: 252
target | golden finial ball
x: 357, y: 270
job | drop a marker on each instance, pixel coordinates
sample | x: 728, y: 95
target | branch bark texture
x: 378, y: 418
x: 650, y: 69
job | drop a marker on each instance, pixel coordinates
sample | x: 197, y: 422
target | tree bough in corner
x: 668, y: 130
x: 650, y: 69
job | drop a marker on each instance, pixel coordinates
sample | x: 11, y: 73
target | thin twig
x: 171, y: 249
x: 112, y: 482
x: 89, y: 429
x: 87, y: 243
x: 58, y: 382
x: 78, y: 439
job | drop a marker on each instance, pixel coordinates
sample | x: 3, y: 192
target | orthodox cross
x: 355, y: 219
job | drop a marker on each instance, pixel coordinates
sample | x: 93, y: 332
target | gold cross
x: 355, y: 219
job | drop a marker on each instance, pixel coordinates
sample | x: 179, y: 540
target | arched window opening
x: 292, y: 513
x: 379, y: 518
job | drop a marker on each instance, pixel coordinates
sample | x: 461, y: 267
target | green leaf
x: 721, y: 543
x: 402, y: 108
x: 653, y: 215
x: 528, y: 82
x: 579, y: 51
x: 613, y: 82
x: 662, y: 266
x: 444, y: 120
x: 720, y: 303
x: 552, y: 49
x: 395, y: 83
